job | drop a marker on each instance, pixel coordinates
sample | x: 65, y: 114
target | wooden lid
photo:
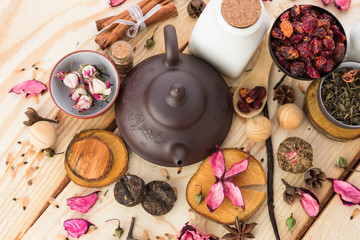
x: 89, y: 158
x: 241, y: 13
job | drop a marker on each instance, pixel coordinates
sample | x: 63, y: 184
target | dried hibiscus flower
x: 82, y: 203
x: 310, y: 202
x: 348, y: 193
x: 30, y: 88
x: 77, y: 227
x: 189, y: 232
x: 223, y: 185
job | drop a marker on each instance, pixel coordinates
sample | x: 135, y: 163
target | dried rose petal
x: 218, y: 164
x: 216, y: 196
x: 237, y: 168
x: 233, y: 192
x: 189, y: 232
x: 115, y: 3
x: 77, y: 227
x: 310, y: 202
x: 30, y: 88
x: 342, y: 4
x: 82, y: 203
x: 326, y: 2
x: 348, y: 193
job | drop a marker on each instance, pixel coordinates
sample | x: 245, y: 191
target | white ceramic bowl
x: 60, y: 93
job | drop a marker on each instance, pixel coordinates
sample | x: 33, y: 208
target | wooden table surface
x: 35, y: 35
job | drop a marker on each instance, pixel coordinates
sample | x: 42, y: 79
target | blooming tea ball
x: 42, y: 134
x: 258, y: 128
x: 290, y: 116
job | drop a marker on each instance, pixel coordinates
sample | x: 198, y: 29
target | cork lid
x: 121, y: 49
x: 241, y: 13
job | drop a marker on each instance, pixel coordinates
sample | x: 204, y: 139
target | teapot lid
x: 173, y: 108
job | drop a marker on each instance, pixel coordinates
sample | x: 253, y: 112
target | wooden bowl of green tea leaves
x: 339, y: 96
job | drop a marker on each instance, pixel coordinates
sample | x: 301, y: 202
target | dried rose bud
x: 350, y: 75
x: 189, y: 232
x: 199, y: 197
x: 82, y: 203
x: 83, y: 103
x: 72, y: 80
x: 77, y: 227
x: 290, y: 222
x: 88, y: 72
x: 348, y: 193
x: 78, y: 92
x: 30, y: 88
x: 61, y: 74
x: 342, y: 4
x: 99, y: 89
x: 310, y: 202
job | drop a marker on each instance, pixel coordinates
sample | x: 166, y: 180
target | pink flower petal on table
x: 342, y: 4
x: 218, y: 163
x: 326, y: 2
x: 348, y: 193
x: 115, y: 3
x: 82, y: 203
x: 189, y: 232
x: 233, y: 192
x: 237, y: 168
x: 310, y: 202
x: 30, y: 88
x: 216, y: 196
x: 77, y: 227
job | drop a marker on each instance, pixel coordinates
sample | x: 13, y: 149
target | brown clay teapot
x: 173, y: 108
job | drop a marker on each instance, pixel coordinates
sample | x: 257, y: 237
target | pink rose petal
x: 233, y: 192
x: 237, y: 168
x: 115, y: 3
x: 216, y: 196
x: 218, y: 163
x: 342, y: 4
x: 77, y: 227
x: 309, y: 202
x: 348, y: 193
x: 83, y: 203
x: 326, y: 2
x: 189, y: 232
x: 30, y: 88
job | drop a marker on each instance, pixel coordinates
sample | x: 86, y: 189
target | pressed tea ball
x: 290, y: 116
x: 258, y: 128
x: 42, y: 134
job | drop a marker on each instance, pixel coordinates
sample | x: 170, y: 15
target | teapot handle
x: 171, y: 46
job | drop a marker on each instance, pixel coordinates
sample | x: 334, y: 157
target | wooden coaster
x: 319, y: 121
x: 119, y: 158
x: 241, y: 13
x: 226, y: 212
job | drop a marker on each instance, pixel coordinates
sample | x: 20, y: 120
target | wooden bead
x: 258, y: 128
x: 42, y: 134
x: 290, y: 116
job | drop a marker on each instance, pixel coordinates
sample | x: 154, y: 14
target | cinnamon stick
x: 118, y: 31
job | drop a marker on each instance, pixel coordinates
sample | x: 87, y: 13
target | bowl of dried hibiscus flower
x: 307, y: 42
x: 84, y: 84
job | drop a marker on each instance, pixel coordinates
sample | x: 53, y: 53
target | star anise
x: 195, y: 8
x: 240, y: 231
x: 284, y: 94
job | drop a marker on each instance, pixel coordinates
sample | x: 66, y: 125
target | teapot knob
x: 177, y: 95
x: 178, y: 154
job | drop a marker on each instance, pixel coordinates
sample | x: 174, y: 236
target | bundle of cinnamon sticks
x: 118, y: 31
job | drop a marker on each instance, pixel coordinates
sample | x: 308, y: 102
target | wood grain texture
x: 59, y: 29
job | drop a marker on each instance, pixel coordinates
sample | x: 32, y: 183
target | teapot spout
x: 179, y: 154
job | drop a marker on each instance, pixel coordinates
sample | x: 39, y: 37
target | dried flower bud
x: 83, y: 103
x: 150, y: 42
x: 72, y: 79
x: 88, y: 72
x: 199, y: 197
x: 78, y: 92
x: 341, y: 162
x: 99, y: 89
x: 195, y: 8
x: 34, y: 117
x: 290, y: 222
x: 49, y: 152
x: 77, y: 227
x: 348, y: 193
x: 118, y: 230
x: 284, y: 94
x: 82, y: 203
x: 291, y: 193
x: 313, y: 178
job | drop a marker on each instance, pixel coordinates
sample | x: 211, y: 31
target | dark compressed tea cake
x: 159, y: 199
x: 130, y: 190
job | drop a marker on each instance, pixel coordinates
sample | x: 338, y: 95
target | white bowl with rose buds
x: 84, y: 84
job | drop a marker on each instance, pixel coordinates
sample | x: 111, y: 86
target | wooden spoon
x: 259, y: 76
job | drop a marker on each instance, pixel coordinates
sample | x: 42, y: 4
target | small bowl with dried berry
x: 339, y: 94
x: 84, y: 84
x: 307, y: 42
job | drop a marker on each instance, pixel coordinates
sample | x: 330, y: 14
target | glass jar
x: 121, y: 53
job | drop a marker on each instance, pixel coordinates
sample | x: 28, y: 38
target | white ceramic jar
x: 228, y: 49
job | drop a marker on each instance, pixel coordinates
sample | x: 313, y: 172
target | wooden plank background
x: 41, y: 32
